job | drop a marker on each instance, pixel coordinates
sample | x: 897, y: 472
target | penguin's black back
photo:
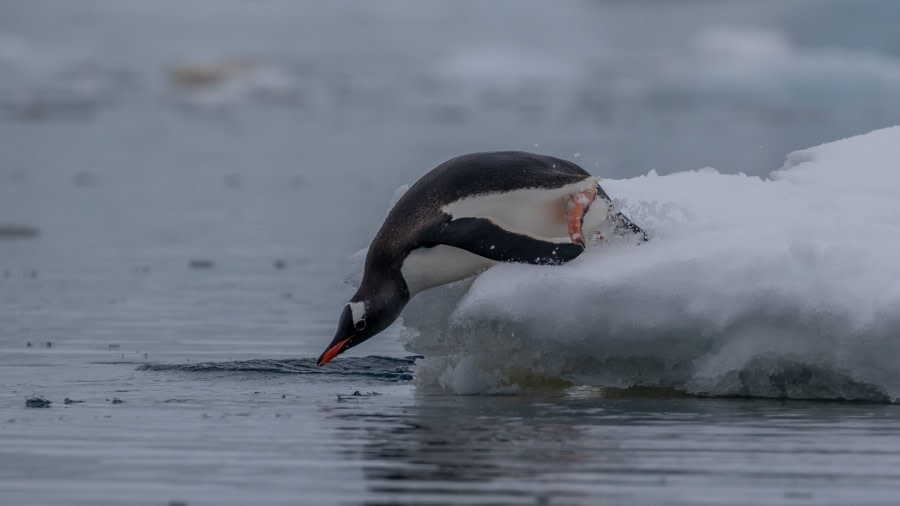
x: 493, y: 172
x: 420, y: 208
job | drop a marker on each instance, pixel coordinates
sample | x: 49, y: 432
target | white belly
x: 539, y: 213
x: 429, y: 267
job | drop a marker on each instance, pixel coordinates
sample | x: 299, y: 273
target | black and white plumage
x: 465, y: 215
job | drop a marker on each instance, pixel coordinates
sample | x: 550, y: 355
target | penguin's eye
x: 360, y: 325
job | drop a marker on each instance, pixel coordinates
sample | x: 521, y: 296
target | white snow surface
x: 780, y: 287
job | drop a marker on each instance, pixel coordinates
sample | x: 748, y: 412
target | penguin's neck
x: 384, y: 294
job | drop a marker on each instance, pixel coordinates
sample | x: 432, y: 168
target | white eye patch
x: 358, y: 313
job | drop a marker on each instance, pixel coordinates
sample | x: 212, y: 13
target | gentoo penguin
x: 465, y: 215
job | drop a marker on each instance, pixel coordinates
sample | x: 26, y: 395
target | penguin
x: 467, y: 214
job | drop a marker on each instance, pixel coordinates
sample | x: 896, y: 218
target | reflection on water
x: 461, y: 449
x: 578, y: 445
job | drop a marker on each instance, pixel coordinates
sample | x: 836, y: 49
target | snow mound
x: 780, y: 287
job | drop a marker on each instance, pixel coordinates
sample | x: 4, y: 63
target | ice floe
x: 784, y: 286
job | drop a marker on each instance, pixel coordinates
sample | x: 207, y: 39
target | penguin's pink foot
x: 578, y: 205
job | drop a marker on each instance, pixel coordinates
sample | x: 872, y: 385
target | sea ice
x: 778, y: 287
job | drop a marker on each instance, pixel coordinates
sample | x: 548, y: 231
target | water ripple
x: 391, y: 369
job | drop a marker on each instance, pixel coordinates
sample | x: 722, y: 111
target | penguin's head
x: 363, y: 317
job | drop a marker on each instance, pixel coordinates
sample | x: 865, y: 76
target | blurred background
x: 192, y: 171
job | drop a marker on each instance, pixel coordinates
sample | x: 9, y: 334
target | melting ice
x: 787, y: 286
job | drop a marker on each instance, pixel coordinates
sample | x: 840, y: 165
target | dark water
x: 269, y: 431
x: 181, y: 184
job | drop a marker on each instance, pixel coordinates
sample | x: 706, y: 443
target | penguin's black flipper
x: 485, y: 238
x: 621, y: 224
x: 624, y: 226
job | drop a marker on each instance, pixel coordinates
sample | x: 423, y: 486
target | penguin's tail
x: 622, y: 226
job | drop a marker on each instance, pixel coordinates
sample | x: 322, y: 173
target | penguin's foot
x: 578, y: 205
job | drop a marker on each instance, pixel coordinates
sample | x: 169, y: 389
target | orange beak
x: 332, y: 352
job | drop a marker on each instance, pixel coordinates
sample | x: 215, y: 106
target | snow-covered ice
x: 785, y: 286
